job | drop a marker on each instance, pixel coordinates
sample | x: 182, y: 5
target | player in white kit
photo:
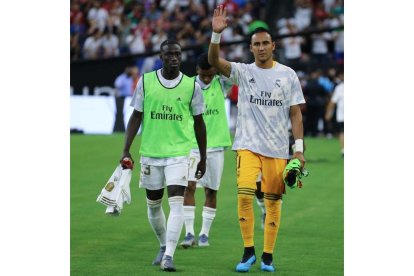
x: 269, y: 97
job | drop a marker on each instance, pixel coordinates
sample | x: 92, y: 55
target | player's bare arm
x: 297, y: 130
x: 131, y: 131
x: 201, y: 137
x: 219, y: 23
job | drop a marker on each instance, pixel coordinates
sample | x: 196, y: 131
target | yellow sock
x: 273, y: 205
x: 246, y: 215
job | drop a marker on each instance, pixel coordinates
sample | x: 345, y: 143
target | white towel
x: 116, y: 191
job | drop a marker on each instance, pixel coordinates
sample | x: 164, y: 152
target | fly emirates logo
x: 166, y: 114
x: 211, y: 111
x: 265, y: 99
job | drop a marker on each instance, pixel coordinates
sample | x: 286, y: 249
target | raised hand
x: 219, y: 22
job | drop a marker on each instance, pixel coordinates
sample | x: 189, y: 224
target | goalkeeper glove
x: 293, y: 174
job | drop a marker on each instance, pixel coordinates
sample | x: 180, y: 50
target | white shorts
x: 156, y: 177
x: 214, y: 169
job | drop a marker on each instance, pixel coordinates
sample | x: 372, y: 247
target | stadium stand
x: 309, y: 36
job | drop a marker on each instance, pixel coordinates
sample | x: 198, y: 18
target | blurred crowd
x: 321, y: 49
x: 109, y: 28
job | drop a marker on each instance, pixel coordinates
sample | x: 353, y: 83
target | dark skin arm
x: 297, y: 130
x: 201, y: 137
x: 131, y: 131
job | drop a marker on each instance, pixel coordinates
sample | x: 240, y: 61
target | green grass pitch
x: 310, y: 240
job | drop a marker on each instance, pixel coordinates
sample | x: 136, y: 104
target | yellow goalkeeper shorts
x: 250, y: 164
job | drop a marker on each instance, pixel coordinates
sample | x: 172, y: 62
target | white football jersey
x: 265, y: 97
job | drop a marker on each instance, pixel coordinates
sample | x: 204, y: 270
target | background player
x: 338, y: 100
x: 218, y: 138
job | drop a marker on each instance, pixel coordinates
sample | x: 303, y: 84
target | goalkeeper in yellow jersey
x: 269, y: 97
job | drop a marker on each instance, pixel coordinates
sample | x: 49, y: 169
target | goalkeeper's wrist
x: 215, y: 38
x: 299, y: 145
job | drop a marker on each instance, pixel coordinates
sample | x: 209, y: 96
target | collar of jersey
x: 159, y: 80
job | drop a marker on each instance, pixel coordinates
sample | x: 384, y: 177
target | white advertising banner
x: 92, y: 114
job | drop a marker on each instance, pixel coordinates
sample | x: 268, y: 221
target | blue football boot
x: 265, y: 267
x: 245, y: 266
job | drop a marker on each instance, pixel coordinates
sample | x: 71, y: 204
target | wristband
x: 215, y: 38
x: 299, y: 145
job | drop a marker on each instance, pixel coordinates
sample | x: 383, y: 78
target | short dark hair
x: 168, y: 42
x: 202, y: 62
x: 261, y: 30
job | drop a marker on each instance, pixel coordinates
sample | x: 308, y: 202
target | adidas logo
x: 184, y: 178
x: 272, y: 224
x: 242, y: 219
x: 252, y: 80
x: 179, y: 99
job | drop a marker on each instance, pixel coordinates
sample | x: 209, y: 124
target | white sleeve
x: 118, y: 82
x: 197, y: 103
x: 137, y: 101
x: 226, y: 84
x: 335, y: 95
x: 296, y: 88
x: 235, y: 72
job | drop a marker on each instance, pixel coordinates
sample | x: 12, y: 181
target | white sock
x: 156, y: 219
x: 208, y: 217
x: 189, y: 215
x: 174, y: 223
x: 260, y: 203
